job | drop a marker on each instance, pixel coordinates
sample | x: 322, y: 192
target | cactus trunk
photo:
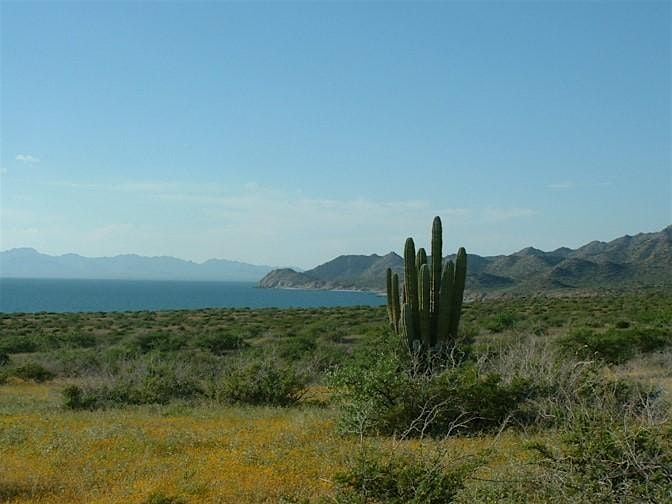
x: 445, y: 304
x: 425, y: 313
x: 411, y: 284
x: 458, y: 290
x: 437, y: 259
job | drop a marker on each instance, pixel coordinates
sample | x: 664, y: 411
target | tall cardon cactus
x: 429, y: 315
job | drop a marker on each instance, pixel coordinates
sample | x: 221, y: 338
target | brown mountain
x: 644, y: 260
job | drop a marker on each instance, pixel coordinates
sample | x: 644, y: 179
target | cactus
x: 411, y: 284
x: 390, y: 299
x: 458, y: 290
x: 445, y: 304
x: 396, y: 308
x: 431, y: 302
x: 425, y: 311
x: 420, y: 258
x: 437, y: 261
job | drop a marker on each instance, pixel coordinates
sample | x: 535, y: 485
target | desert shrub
x: 389, y: 392
x: 141, y: 381
x: 75, y: 398
x: 400, y: 478
x: 77, y: 340
x: 72, y: 362
x: 32, y: 371
x: 564, y: 386
x: 607, y: 459
x: 220, y: 343
x: 260, y: 381
x: 296, y: 348
x: 18, y: 343
x: 500, y: 322
x: 157, y: 341
x: 614, y: 346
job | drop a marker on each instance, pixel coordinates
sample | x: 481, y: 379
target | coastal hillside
x: 29, y: 263
x: 642, y: 260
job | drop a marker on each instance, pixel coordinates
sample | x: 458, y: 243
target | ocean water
x: 36, y: 295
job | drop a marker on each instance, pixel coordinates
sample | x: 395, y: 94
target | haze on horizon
x: 292, y: 133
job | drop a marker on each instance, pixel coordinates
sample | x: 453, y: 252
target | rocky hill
x: 643, y: 260
x: 29, y: 263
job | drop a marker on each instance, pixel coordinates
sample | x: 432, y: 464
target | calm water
x: 32, y: 295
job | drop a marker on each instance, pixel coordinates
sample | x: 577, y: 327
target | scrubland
x: 562, y: 399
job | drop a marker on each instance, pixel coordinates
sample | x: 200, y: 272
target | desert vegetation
x: 543, y: 400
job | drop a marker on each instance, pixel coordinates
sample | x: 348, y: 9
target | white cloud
x: 27, y: 159
x: 262, y: 225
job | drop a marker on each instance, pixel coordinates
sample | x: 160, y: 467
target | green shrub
x: 607, y: 459
x: 18, y: 344
x: 296, y: 347
x: 74, y: 398
x: 394, y: 478
x: 157, y: 341
x: 614, y: 346
x: 387, y: 392
x: 220, y: 343
x: 263, y: 381
x: 33, y: 371
x: 500, y: 322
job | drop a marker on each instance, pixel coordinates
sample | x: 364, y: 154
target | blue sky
x: 289, y: 133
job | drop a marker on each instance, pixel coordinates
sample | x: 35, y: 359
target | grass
x: 200, y: 454
x: 201, y: 451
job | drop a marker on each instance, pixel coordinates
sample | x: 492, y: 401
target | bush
x: 614, y: 346
x: 33, y: 371
x: 18, y: 344
x: 219, y: 343
x: 500, y: 322
x: 157, y: 341
x: 142, y: 381
x: 262, y: 381
x: 4, y: 359
x: 389, y: 393
x: 605, y: 459
x: 74, y: 398
x: 395, y: 478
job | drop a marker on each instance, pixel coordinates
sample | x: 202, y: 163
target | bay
x: 54, y: 295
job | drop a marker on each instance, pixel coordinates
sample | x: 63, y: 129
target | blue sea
x: 36, y: 295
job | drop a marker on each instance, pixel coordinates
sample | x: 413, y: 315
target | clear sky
x: 290, y: 133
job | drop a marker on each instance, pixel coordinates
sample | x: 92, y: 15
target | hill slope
x: 643, y: 259
x: 29, y: 263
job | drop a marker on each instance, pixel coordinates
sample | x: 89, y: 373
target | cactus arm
x: 458, y: 290
x: 395, y: 302
x: 390, y: 301
x: 420, y: 258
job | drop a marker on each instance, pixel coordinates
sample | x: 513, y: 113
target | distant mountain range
x: 29, y: 263
x: 642, y: 260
